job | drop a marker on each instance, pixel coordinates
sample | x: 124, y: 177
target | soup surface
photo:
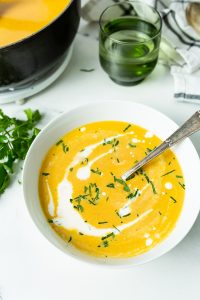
x: 89, y: 205
x: 21, y: 18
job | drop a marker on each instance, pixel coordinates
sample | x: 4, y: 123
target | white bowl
x: 129, y: 112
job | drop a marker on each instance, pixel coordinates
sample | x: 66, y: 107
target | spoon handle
x: 188, y: 128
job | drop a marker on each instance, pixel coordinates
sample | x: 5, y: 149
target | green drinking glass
x: 129, y: 40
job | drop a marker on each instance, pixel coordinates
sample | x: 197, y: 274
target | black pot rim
x: 37, y: 32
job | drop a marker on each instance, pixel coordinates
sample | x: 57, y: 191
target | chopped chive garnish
x: 149, y: 150
x: 45, y: 174
x: 70, y: 239
x: 177, y: 176
x: 65, y: 148
x: 123, y: 182
x: 133, y: 195
x: 94, y: 192
x: 59, y: 142
x: 127, y: 215
x: 85, y: 161
x: 50, y: 220
x: 116, y: 228
x: 71, y: 169
x: 168, y: 173
x: 91, y: 202
x: 160, y: 213
x: 91, y: 194
x: 81, y: 233
x: 174, y: 200
x: 79, y: 207
x: 132, y: 145
x: 118, y: 160
x: 182, y: 185
x: 105, y: 244
x: 103, y: 222
x: 118, y: 214
x: 87, y: 70
x: 153, y: 187
x: 107, y: 142
x: 97, y: 171
x: 108, y: 235
x: 126, y: 188
x: 149, y: 181
x: 130, y: 196
x: 125, y: 129
x: 111, y: 185
x: 113, y: 142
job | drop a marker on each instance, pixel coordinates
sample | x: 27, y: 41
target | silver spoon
x: 188, y: 128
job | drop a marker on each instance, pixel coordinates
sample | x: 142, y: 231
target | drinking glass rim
x: 135, y: 43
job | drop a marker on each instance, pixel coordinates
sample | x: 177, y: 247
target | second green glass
x: 130, y: 34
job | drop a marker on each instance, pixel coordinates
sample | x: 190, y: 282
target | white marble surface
x: 30, y: 268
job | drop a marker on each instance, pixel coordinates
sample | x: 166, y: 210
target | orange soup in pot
x: 20, y: 19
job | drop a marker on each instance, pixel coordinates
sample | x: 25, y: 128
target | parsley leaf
x: 16, y: 137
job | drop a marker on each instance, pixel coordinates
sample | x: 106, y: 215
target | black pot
x: 23, y: 63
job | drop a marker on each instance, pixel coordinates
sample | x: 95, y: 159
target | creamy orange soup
x: 21, y: 18
x: 89, y: 205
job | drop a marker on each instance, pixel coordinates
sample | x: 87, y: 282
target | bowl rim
x: 85, y: 257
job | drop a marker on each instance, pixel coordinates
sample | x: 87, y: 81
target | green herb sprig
x: 16, y: 137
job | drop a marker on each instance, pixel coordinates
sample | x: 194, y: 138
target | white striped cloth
x: 180, y: 46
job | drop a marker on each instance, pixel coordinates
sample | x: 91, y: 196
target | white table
x: 30, y: 268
